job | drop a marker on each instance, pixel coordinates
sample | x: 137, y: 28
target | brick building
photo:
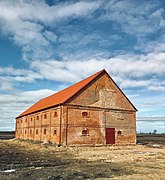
x: 92, y: 111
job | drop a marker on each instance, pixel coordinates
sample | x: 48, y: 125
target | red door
x: 110, y: 135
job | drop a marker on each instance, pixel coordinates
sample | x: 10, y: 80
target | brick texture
x: 84, y: 118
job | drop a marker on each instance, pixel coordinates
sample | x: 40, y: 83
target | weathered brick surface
x: 104, y: 105
x: 40, y: 126
x: 102, y: 93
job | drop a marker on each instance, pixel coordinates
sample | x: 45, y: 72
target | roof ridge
x: 99, y: 72
x: 60, y: 97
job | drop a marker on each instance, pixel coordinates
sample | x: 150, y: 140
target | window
x: 55, y: 114
x: 85, y: 132
x: 25, y: 120
x: 21, y: 121
x: 119, y: 133
x: 45, y: 116
x: 30, y: 131
x: 31, y: 119
x: 18, y: 122
x: 44, y: 131
x: 84, y: 114
x: 25, y: 131
x: 37, y: 118
x: 55, y: 132
x: 36, y: 131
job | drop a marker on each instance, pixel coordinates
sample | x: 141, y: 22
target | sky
x: 48, y: 45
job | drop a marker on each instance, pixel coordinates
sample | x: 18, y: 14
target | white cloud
x: 157, y: 88
x: 42, y: 12
x: 128, y: 70
x: 141, y: 18
x: 26, y: 24
x: 5, y: 86
x: 149, y: 103
x: 9, y: 76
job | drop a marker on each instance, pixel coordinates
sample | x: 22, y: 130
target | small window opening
x: 21, y: 121
x: 26, y: 120
x: 119, y: 133
x: 30, y: 131
x: 37, y: 118
x: 45, y: 116
x: 55, y: 132
x: 36, y: 131
x: 31, y: 119
x: 25, y: 131
x: 44, y: 131
x: 85, y: 132
x: 84, y: 114
x: 55, y: 114
x: 18, y: 122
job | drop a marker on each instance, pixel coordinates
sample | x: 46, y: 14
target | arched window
x: 85, y: 132
x: 119, y: 133
x: 45, y: 131
x: 55, y: 114
x: 84, y: 114
x: 55, y: 132
x: 36, y: 131
x: 45, y: 116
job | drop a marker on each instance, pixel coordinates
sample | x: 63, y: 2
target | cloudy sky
x: 48, y: 45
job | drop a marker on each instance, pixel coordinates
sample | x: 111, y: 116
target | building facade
x: 92, y: 111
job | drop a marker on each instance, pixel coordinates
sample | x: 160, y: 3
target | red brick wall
x: 74, y: 123
x: 102, y: 93
x: 95, y: 123
x: 32, y: 126
x: 124, y: 122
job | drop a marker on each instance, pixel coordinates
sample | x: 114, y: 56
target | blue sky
x: 46, y: 46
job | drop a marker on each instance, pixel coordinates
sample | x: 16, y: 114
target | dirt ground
x: 27, y: 160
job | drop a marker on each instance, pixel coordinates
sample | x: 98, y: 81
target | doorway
x: 110, y: 135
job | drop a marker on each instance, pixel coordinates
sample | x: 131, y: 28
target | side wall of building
x: 40, y: 126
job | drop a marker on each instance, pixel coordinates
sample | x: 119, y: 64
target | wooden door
x: 110, y: 135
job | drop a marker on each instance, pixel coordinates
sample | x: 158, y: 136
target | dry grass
x: 36, y: 161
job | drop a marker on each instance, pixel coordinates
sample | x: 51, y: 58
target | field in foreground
x: 7, y: 135
x: 25, y: 160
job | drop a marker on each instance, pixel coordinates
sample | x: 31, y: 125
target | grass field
x: 151, y: 139
x: 7, y: 135
x: 27, y: 160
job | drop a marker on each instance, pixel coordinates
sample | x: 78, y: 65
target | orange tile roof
x: 60, y: 97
